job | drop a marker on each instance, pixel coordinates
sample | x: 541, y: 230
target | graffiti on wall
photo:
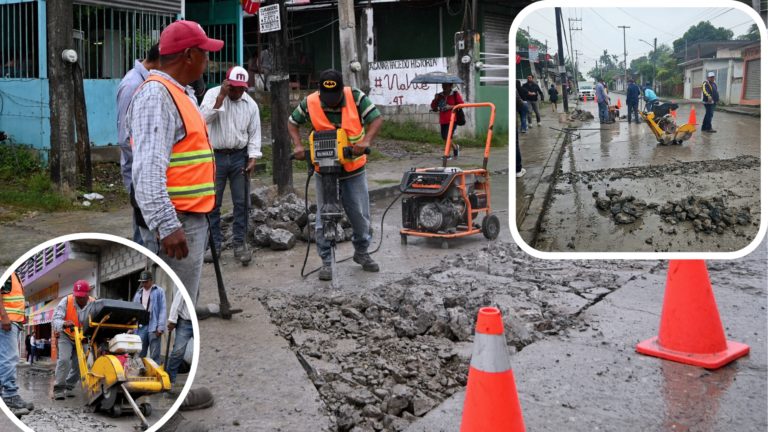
x: 390, y: 81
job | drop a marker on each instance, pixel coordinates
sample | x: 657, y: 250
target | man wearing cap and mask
x: 71, y: 312
x: 235, y: 132
x: 710, y: 97
x: 152, y: 298
x: 335, y: 106
x: 174, y: 171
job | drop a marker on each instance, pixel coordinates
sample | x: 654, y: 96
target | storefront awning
x: 44, y: 314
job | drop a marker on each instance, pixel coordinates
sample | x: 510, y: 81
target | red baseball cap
x: 82, y: 288
x: 237, y: 76
x: 186, y: 34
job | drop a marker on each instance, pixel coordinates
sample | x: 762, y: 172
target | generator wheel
x: 115, y: 411
x: 146, y: 409
x: 491, y: 226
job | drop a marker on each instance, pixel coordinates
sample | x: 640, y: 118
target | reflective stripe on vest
x: 14, y: 300
x: 191, y: 173
x: 72, y: 316
x: 350, y: 122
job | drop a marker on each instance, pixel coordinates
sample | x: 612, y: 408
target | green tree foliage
x: 753, y: 34
x: 522, y: 41
x: 701, y: 32
x: 636, y: 63
x: 669, y: 72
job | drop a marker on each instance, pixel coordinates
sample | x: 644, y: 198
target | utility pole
x: 546, y: 65
x: 570, y: 34
x: 561, y: 63
x: 63, y: 155
x: 576, y: 67
x: 653, y: 78
x: 624, y: 28
x: 350, y: 65
x: 282, y: 168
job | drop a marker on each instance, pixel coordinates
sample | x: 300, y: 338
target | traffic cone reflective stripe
x: 491, y: 403
x: 691, y: 331
x: 692, y: 118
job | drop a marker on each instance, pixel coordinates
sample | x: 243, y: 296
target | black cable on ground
x: 381, y: 228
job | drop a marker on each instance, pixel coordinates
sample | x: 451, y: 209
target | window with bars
x: 220, y: 62
x: 108, y: 40
x: 19, y: 41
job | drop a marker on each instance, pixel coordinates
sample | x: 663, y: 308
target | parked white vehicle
x: 586, y: 89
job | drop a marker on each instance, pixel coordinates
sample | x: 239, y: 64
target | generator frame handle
x: 490, y: 130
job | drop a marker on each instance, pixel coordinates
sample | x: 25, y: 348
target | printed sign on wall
x: 391, y: 81
x: 269, y: 18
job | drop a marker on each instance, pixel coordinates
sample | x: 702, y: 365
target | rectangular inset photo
x: 638, y: 129
x: 87, y: 337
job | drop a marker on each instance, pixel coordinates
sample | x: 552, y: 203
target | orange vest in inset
x: 350, y: 122
x: 192, y: 172
x: 14, y: 300
x: 72, y: 316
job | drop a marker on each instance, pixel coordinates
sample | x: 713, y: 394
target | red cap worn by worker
x: 237, y: 76
x: 186, y: 34
x: 81, y: 288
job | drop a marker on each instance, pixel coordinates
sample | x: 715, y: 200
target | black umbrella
x: 437, y: 78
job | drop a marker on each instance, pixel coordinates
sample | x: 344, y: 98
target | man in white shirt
x: 235, y: 133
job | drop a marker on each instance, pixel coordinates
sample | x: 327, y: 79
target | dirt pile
x: 384, y: 357
x: 64, y: 420
x: 581, y: 115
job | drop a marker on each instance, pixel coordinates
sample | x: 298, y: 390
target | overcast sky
x: 600, y: 28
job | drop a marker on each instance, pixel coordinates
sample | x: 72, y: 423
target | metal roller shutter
x: 496, y: 37
x: 168, y: 6
x: 697, y: 81
x: 753, y: 80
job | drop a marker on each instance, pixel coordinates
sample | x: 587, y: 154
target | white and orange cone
x: 491, y: 403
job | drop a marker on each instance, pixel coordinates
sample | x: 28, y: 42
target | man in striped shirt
x: 352, y: 184
x: 235, y: 132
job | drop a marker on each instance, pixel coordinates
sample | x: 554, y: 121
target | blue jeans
x: 137, y: 232
x: 524, y: 117
x: 9, y: 357
x: 603, y: 109
x: 354, y: 196
x: 229, y: 167
x: 184, y: 333
x: 189, y: 269
x: 150, y: 343
x: 519, y: 159
x: 710, y: 112
x: 632, y: 108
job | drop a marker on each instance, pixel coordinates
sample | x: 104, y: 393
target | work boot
x: 196, y: 399
x: 20, y: 412
x: 710, y: 131
x: 69, y: 392
x: 366, y: 261
x: 58, y: 395
x: 17, y: 403
x: 209, y: 255
x: 326, y: 272
x: 178, y: 423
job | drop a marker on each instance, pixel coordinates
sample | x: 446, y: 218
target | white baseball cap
x: 237, y: 76
x: 711, y: 74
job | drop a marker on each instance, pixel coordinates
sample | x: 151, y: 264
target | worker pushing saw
x: 347, y: 111
x: 71, y: 312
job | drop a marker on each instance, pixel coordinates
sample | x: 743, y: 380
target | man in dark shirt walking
x: 633, y: 99
x: 531, y: 92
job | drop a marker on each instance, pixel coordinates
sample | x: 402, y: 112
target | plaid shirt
x: 155, y: 124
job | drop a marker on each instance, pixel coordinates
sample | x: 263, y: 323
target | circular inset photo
x: 95, y: 335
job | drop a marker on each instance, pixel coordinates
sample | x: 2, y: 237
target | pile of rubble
x: 279, y: 222
x: 62, y: 419
x: 384, y: 357
x: 582, y: 115
x: 675, y: 168
x: 706, y: 215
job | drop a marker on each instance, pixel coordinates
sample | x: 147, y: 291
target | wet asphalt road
x: 573, y: 218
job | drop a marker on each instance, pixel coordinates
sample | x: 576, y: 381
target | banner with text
x: 391, y: 81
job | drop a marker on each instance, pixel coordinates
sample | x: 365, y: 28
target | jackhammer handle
x: 293, y: 156
x: 348, y: 152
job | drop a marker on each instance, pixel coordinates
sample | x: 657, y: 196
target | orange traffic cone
x: 673, y: 112
x: 585, y: 98
x: 491, y: 402
x: 692, y: 118
x: 691, y: 331
x: 618, y: 104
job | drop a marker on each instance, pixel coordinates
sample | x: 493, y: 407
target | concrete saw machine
x: 111, y: 372
x: 663, y: 124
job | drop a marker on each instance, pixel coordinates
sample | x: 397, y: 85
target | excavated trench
x: 382, y: 358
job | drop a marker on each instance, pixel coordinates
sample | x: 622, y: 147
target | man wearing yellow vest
x: 11, y: 319
x: 337, y: 107
x: 174, y: 173
x: 71, y: 312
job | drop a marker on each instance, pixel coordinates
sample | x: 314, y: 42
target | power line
x: 638, y: 19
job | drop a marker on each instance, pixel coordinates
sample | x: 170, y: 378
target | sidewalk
x: 750, y: 110
x: 541, y: 150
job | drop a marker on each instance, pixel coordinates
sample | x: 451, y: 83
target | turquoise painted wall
x: 499, y: 96
x: 101, y: 104
x: 24, y: 112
